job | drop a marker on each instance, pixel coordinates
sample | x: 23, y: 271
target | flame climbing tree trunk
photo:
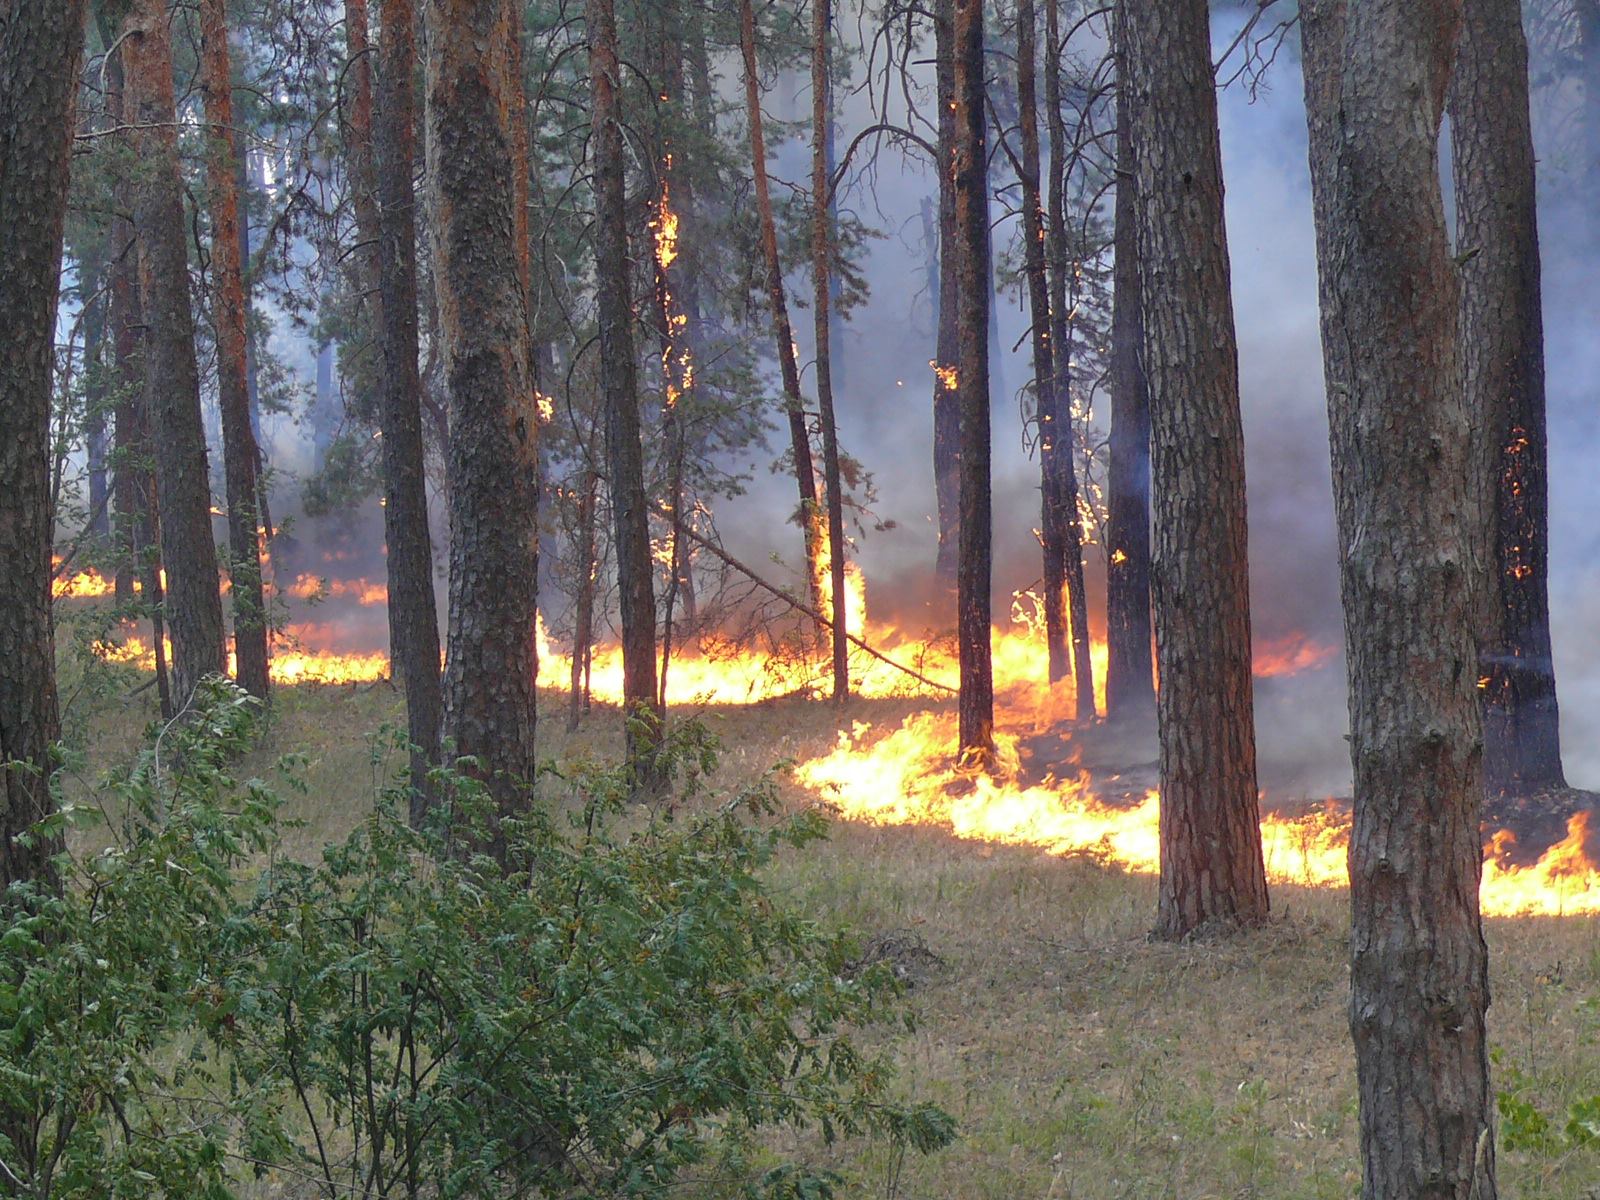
x: 1502, y: 346
x: 620, y: 391
x: 1212, y: 872
x: 969, y: 182
x: 946, y: 401
x: 1411, y: 544
x: 39, y: 57
x: 239, y: 454
x: 1130, y: 689
x: 822, y: 295
x: 413, y: 614
x: 473, y: 104
x: 193, y: 603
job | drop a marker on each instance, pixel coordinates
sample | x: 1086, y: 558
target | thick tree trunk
x: 946, y: 400
x: 474, y: 110
x: 193, y: 601
x: 619, y: 388
x: 239, y: 454
x: 1130, y: 688
x: 1412, y: 547
x: 1502, y: 345
x: 1211, y: 863
x: 822, y: 309
x: 39, y: 56
x: 969, y: 181
x: 413, y: 612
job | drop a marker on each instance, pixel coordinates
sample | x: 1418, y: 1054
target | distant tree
x: 1412, y: 533
x: 39, y: 56
x: 1212, y: 871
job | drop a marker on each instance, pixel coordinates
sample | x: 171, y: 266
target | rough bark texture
x: 1211, y: 863
x: 971, y: 247
x: 239, y: 454
x: 1130, y: 688
x: 40, y: 47
x: 822, y: 296
x: 474, y: 106
x: 619, y: 388
x: 1502, y: 346
x: 193, y: 601
x: 1411, y: 543
x: 413, y: 612
x: 946, y: 401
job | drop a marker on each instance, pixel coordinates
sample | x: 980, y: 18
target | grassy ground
x: 1081, y: 1060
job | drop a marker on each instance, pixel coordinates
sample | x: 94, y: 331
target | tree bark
x: 946, y: 400
x: 239, y: 453
x: 474, y: 110
x: 583, y: 615
x: 413, y: 611
x: 1130, y: 688
x: 1412, y: 534
x: 193, y: 602
x: 39, y: 57
x: 1212, y: 872
x: 975, y: 554
x: 1502, y: 345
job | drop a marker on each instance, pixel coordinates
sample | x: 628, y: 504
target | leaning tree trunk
x: 1502, y: 346
x: 473, y: 105
x: 619, y: 388
x: 1412, y: 545
x: 1130, y: 688
x: 822, y: 309
x: 39, y: 57
x: 193, y: 602
x: 946, y: 399
x: 413, y: 613
x: 1212, y: 872
x: 968, y: 180
x: 239, y: 454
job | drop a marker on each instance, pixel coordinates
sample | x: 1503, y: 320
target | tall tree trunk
x: 128, y: 468
x: 822, y: 309
x: 39, y: 57
x: 474, y: 111
x: 239, y: 454
x: 619, y: 388
x: 969, y: 181
x: 1211, y: 862
x: 413, y: 613
x: 1502, y: 345
x: 946, y: 400
x: 94, y: 359
x: 1130, y: 689
x: 783, y: 333
x: 583, y: 615
x: 193, y: 601
x: 1412, y: 536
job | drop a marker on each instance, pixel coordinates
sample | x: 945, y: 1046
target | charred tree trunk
x: 413, y: 612
x: 974, y: 561
x: 474, y: 110
x: 946, y: 399
x: 1130, y: 688
x: 822, y: 309
x: 1412, y: 537
x: 1502, y: 346
x: 239, y: 454
x: 193, y: 602
x: 39, y: 57
x: 1212, y: 872
x: 619, y: 388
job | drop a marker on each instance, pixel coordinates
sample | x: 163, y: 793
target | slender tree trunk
x: 1130, y: 688
x: 975, y: 558
x: 583, y: 617
x: 39, y: 56
x: 127, y: 488
x: 94, y: 359
x: 474, y: 111
x: 946, y: 399
x: 619, y: 387
x: 193, y: 601
x: 1212, y: 871
x: 1502, y: 345
x: 822, y: 276
x: 413, y: 613
x: 239, y: 455
x: 1412, y: 540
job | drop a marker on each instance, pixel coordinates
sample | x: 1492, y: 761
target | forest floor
x: 1081, y: 1060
